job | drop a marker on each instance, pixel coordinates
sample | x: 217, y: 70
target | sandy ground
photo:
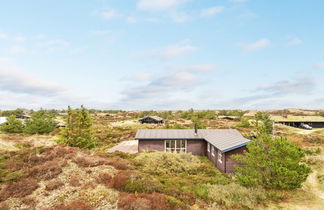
x: 126, y: 146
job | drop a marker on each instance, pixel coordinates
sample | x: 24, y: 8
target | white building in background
x: 3, y: 120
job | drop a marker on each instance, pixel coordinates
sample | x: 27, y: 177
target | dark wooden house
x: 217, y: 144
x: 151, y: 119
x: 298, y: 121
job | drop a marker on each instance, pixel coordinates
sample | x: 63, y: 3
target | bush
x: 13, y: 125
x: 41, y: 122
x: 48, y: 170
x: 78, y: 130
x: 271, y: 163
x: 267, y: 123
x: 168, y: 163
x: 18, y: 189
x: 234, y: 195
x: 75, y: 205
x: 243, y: 123
x: 140, y: 183
x: 152, y: 201
x: 53, y: 185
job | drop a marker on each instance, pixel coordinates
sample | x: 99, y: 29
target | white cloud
x: 320, y: 65
x: 199, y: 68
x: 55, y: 44
x: 174, y: 51
x: 109, y: 14
x: 295, y: 86
x: 211, y: 11
x: 294, y: 41
x: 158, y: 5
x: 101, y: 32
x: 12, y: 79
x: 139, y: 77
x: 180, y: 17
x: 16, y: 49
x: 3, y: 36
x: 20, y: 39
x: 259, y: 44
x: 131, y: 20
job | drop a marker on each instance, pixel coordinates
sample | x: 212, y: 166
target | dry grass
x: 154, y: 201
x: 53, y: 185
x: 19, y: 189
x: 74, y: 205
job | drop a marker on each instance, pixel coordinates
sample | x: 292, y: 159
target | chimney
x: 196, y: 129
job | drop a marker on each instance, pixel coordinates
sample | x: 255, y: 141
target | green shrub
x: 234, y: 195
x: 78, y: 131
x: 13, y: 125
x: 271, y: 163
x: 140, y: 183
x: 41, y: 122
x: 244, y: 123
x: 168, y: 163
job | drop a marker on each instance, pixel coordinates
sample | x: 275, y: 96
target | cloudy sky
x: 162, y: 54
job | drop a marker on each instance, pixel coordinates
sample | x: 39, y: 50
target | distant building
x: 151, y: 119
x: 299, y: 121
x: 3, y: 120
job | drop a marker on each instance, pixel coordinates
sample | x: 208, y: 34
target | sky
x: 162, y: 54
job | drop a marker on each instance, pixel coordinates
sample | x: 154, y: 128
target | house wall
x: 227, y: 164
x: 214, y: 159
x: 197, y: 147
x: 229, y: 161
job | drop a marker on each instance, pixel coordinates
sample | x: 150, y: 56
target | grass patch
x: 234, y: 195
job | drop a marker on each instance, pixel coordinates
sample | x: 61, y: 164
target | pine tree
x: 271, y: 163
x: 78, y: 130
x: 13, y: 125
x: 41, y: 122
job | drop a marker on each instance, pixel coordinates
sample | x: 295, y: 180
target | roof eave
x: 235, y: 147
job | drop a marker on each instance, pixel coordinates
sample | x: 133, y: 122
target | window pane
x: 173, y: 144
x: 167, y: 144
x: 183, y: 144
x: 178, y: 143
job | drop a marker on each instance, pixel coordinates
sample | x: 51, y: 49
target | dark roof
x: 223, y: 139
x: 157, y: 118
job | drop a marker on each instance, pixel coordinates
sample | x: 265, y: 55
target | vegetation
x: 237, y: 113
x: 235, y: 195
x: 78, y: 131
x: 244, y: 123
x: 65, y: 177
x: 271, y: 163
x: 13, y: 125
x: 7, y: 113
x: 264, y: 118
x: 41, y: 122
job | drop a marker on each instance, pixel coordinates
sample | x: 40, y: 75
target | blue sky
x: 162, y: 54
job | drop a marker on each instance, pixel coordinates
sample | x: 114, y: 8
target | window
x: 213, y: 151
x: 220, y: 156
x: 176, y: 146
x: 208, y: 147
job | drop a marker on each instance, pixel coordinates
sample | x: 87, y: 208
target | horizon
x: 162, y: 55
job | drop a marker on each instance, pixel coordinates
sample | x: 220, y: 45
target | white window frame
x: 208, y: 147
x: 220, y: 156
x: 213, y: 151
x: 175, y: 148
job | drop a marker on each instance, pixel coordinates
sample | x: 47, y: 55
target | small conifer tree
x: 13, y: 125
x: 78, y: 130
